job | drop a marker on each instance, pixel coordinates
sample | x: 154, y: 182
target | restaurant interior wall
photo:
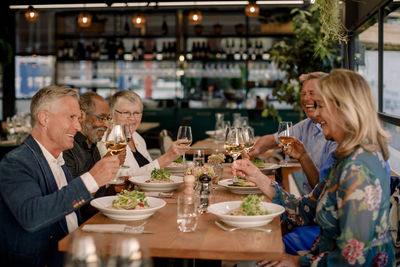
x: 47, y: 41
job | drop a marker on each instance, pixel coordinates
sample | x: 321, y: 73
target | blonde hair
x: 45, y: 97
x: 352, y: 96
x: 119, y: 96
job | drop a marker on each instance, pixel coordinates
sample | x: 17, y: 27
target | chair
x: 165, y: 140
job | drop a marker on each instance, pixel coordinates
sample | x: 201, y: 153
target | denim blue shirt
x: 319, y: 149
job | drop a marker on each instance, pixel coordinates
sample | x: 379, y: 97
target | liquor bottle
x: 173, y: 50
x: 120, y: 51
x: 71, y: 52
x: 164, y: 27
x: 134, y: 51
x: 95, y: 51
x: 88, y: 52
x: 140, y: 50
x: 103, y: 50
x: 60, y: 51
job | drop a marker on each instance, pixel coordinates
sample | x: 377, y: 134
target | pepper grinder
x: 205, y: 193
x: 189, y: 187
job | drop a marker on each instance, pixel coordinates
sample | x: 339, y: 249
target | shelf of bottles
x: 227, y: 57
x: 148, y: 66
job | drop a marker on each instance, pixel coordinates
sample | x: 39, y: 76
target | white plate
x: 239, y: 189
x: 104, y: 204
x: 269, y: 167
x: 158, y: 187
x: 178, y: 168
x: 223, y: 208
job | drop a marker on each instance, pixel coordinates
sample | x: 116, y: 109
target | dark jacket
x: 33, y: 209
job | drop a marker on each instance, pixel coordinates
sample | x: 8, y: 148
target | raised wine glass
x: 248, y: 138
x: 285, y: 132
x: 234, y: 144
x: 115, y: 143
x: 185, y: 133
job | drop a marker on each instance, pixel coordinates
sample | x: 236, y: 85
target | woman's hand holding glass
x: 294, y: 149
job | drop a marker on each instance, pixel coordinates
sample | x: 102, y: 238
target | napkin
x: 115, y: 228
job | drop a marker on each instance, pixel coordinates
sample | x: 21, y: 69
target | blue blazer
x: 33, y: 209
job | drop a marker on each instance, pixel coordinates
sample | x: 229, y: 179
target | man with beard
x: 95, y: 116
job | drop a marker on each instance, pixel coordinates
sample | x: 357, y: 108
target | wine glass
x: 185, y: 133
x: 128, y: 132
x: 248, y: 138
x: 115, y: 142
x: 285, y: 132
x: 234, y: 144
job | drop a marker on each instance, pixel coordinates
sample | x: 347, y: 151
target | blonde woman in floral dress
x: 352, y: 204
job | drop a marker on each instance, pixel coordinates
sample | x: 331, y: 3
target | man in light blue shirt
x: 309, y: 133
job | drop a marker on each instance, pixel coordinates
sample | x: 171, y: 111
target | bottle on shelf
x: 103, y: 54
x: 71, y: 52
x: 164, y: 27
x: 120, y: 51
x: 134, y: 51
x: 60, y: 51
x: 140, y: 51
x: 80, y: 51
x: 88, y: 52
x: 95, y: 55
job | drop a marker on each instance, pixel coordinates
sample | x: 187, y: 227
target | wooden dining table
x: 208, y: 241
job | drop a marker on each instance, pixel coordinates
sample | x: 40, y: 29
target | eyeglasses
x: 128, y: 114
x: 103, y: 118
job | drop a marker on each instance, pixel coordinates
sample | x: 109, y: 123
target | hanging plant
x: 307, y: 51
x: 332, y: 27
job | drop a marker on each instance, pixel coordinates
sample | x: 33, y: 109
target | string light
x: 84, y: 19
x: 195, y: 17
x: 252, y: 9
x: 31, y: 14
x: 139, y: 20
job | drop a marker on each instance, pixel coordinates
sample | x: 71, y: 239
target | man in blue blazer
x: 39, y: 200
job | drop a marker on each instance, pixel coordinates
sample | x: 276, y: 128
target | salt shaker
x: 205, y: 193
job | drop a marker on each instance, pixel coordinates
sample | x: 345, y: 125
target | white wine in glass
x: 234, y: 144
x: 248, y: 138
x: 285, y: 133
x: 115, y: 143
x: 185, y: 133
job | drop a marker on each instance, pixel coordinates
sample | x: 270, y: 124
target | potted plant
x: 308, y: 51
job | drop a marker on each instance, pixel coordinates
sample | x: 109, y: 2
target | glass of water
x: 198, y: 157
x: 187, y: 213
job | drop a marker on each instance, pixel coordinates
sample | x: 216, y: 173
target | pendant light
x: 252, y: 9
x: 84, y: 19
x: 139, y: 20
x: 195, y: 17
x: 31, y: 14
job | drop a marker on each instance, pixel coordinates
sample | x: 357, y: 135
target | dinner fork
x: 231, y: 229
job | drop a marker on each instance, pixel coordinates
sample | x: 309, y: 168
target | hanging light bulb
x: 138, y: 20
x: 195, y: 17
x: 31, y: 14
x: 84, y: 19
x: 252, y: 9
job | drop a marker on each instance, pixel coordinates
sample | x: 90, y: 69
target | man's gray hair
x: 312, y: 75
x: 43, y: 99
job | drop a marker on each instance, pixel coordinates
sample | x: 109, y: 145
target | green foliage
x: 306, y: 52
x: 5, y: 52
